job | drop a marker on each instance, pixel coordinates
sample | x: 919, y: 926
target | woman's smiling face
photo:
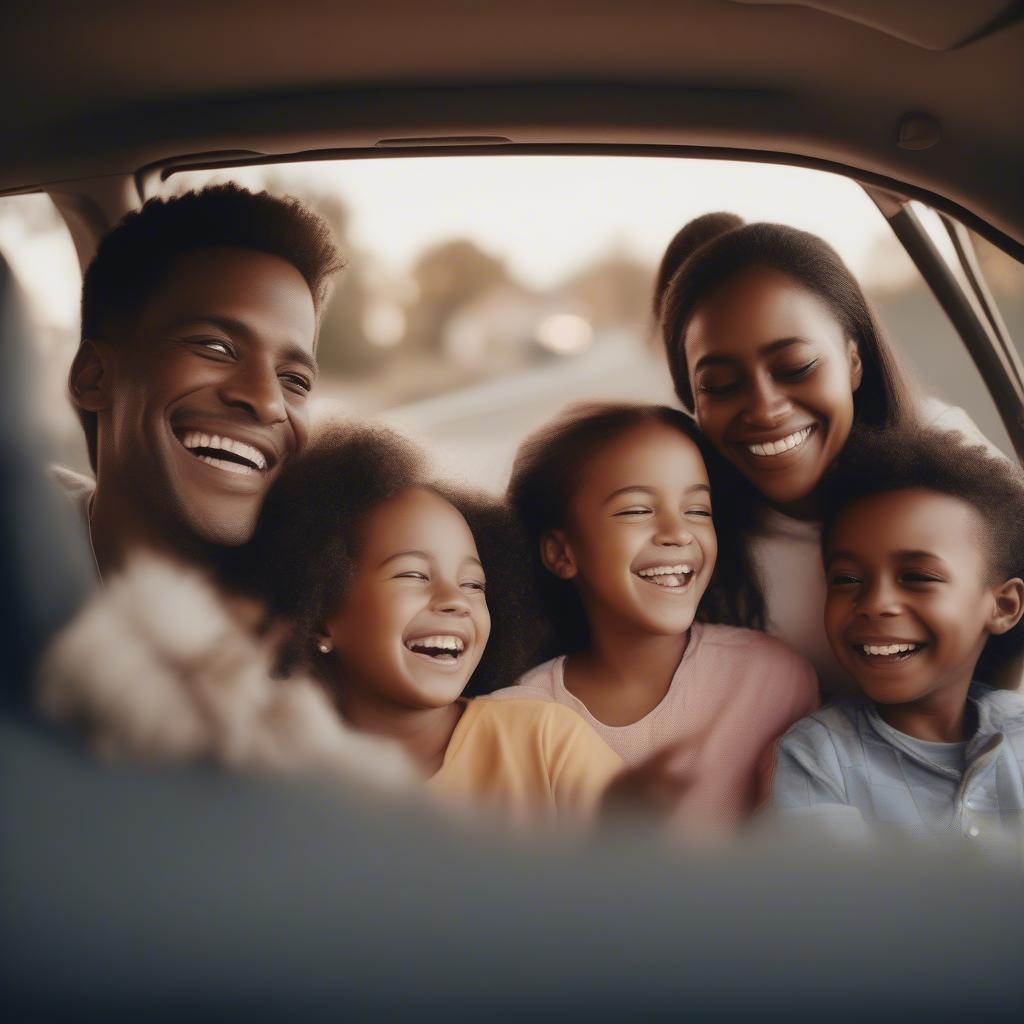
x: 773, y: 378
x: 639, y: 543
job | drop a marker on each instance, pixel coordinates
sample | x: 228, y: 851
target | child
x: 379, y: 577
x: 775, y: 350
x: 924, y: 559
x: 617, y: 504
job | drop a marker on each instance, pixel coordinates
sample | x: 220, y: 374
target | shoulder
x: 540, y: 683
x: 526, y: 714
x: 752, y: 648
x: 937, y: 414
x: 1003, y: 708
x: 834, y: 726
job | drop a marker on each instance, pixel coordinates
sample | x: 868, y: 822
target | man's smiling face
x: 207, y: 394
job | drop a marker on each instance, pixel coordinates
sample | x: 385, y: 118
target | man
x: 199, y: 326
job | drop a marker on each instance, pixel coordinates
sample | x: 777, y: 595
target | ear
x: 1008, y: 607
x: 556, y: 555
x: 89, y: 379
x: 856, y: 366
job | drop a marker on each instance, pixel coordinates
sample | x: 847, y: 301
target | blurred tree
x: 345, y: 348
x: 614, y: 291
x: 447, y: 277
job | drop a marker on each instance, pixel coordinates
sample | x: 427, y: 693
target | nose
x: 254, y: 386
x: 671, y: 531
x: 878, y: 599
x: 449, y: 600
x: 767, y: 405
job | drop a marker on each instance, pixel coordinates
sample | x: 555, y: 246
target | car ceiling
x: 107, y: 87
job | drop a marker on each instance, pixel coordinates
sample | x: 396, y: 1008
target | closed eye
x: 412, y: 574
x: 843, y: 579
x: 634, y: 510
x: 297, y: 382
x: 699, y: 510
x: 717, y: 390
x: 796, y: 372
x: 477, y: 585
x: 916, y: 576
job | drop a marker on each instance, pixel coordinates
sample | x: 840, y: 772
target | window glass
x: 482, y: 293
x: 39, y: 250
x: 1005, y: 278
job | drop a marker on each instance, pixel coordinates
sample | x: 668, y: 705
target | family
x: 650, y: 619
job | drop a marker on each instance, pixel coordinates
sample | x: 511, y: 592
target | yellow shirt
x: 532, y: 759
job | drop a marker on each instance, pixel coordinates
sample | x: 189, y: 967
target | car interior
x: 133, y: 893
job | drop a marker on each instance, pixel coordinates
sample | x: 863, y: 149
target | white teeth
x: 784, y: 444
x: 231, y: 467
x: 669, y: 576
x: 197, y: 439
x: 444, y: 643
x: 888, y: 649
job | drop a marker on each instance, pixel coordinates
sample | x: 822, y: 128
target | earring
x: 324, y: 646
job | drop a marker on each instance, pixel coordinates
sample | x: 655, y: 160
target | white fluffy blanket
x: 160, y: 668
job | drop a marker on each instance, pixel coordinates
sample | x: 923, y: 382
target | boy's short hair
x: 139, y: 253
x: 902, y: 458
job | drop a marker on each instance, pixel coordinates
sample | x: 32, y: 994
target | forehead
x: 757, y: 307
x: 909, y: 520
x: 416, y: 520
x: 653, y: 454
x: 264, y: 294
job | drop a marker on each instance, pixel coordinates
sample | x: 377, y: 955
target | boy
x: 923, y: 544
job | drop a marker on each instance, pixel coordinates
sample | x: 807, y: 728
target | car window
x: 484, y: 292
x: 37, y: 245
x: 1005, y: 278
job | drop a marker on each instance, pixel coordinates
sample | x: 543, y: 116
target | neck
x: 625, y: 673
x: 942, y: 718
x: 807, y: 509
x: 117, y: 528
x: 424, y: 733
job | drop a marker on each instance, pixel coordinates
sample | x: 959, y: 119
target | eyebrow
x: 423, y: 555
x: 644, y: 488
x: 773, y: 346
x: 908, y: 553
x: 292, y: 353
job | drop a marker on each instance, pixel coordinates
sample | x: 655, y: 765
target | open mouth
x: 442, y: 648
x: 789, y: 443
x: 668, y: 577
x: 889, y: 653
x: 224, y: 453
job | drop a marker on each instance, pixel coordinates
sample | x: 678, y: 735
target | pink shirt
x: 735, y: 691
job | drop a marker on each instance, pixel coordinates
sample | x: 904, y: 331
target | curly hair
x: 722, y: 250
x: 302, y: 556
x: 547, y: 471
x: 912, y: 457
x: 140, y: 252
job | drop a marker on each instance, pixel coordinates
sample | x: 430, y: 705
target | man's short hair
x: 139, y: 253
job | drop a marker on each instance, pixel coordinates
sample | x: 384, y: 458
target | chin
x: 225, y: 529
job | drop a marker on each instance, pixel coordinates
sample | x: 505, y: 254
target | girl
x: 773, y: 347
x: 379, y: 578
x: 616, y: 501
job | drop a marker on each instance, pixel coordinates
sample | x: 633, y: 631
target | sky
x: 545, y: 216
